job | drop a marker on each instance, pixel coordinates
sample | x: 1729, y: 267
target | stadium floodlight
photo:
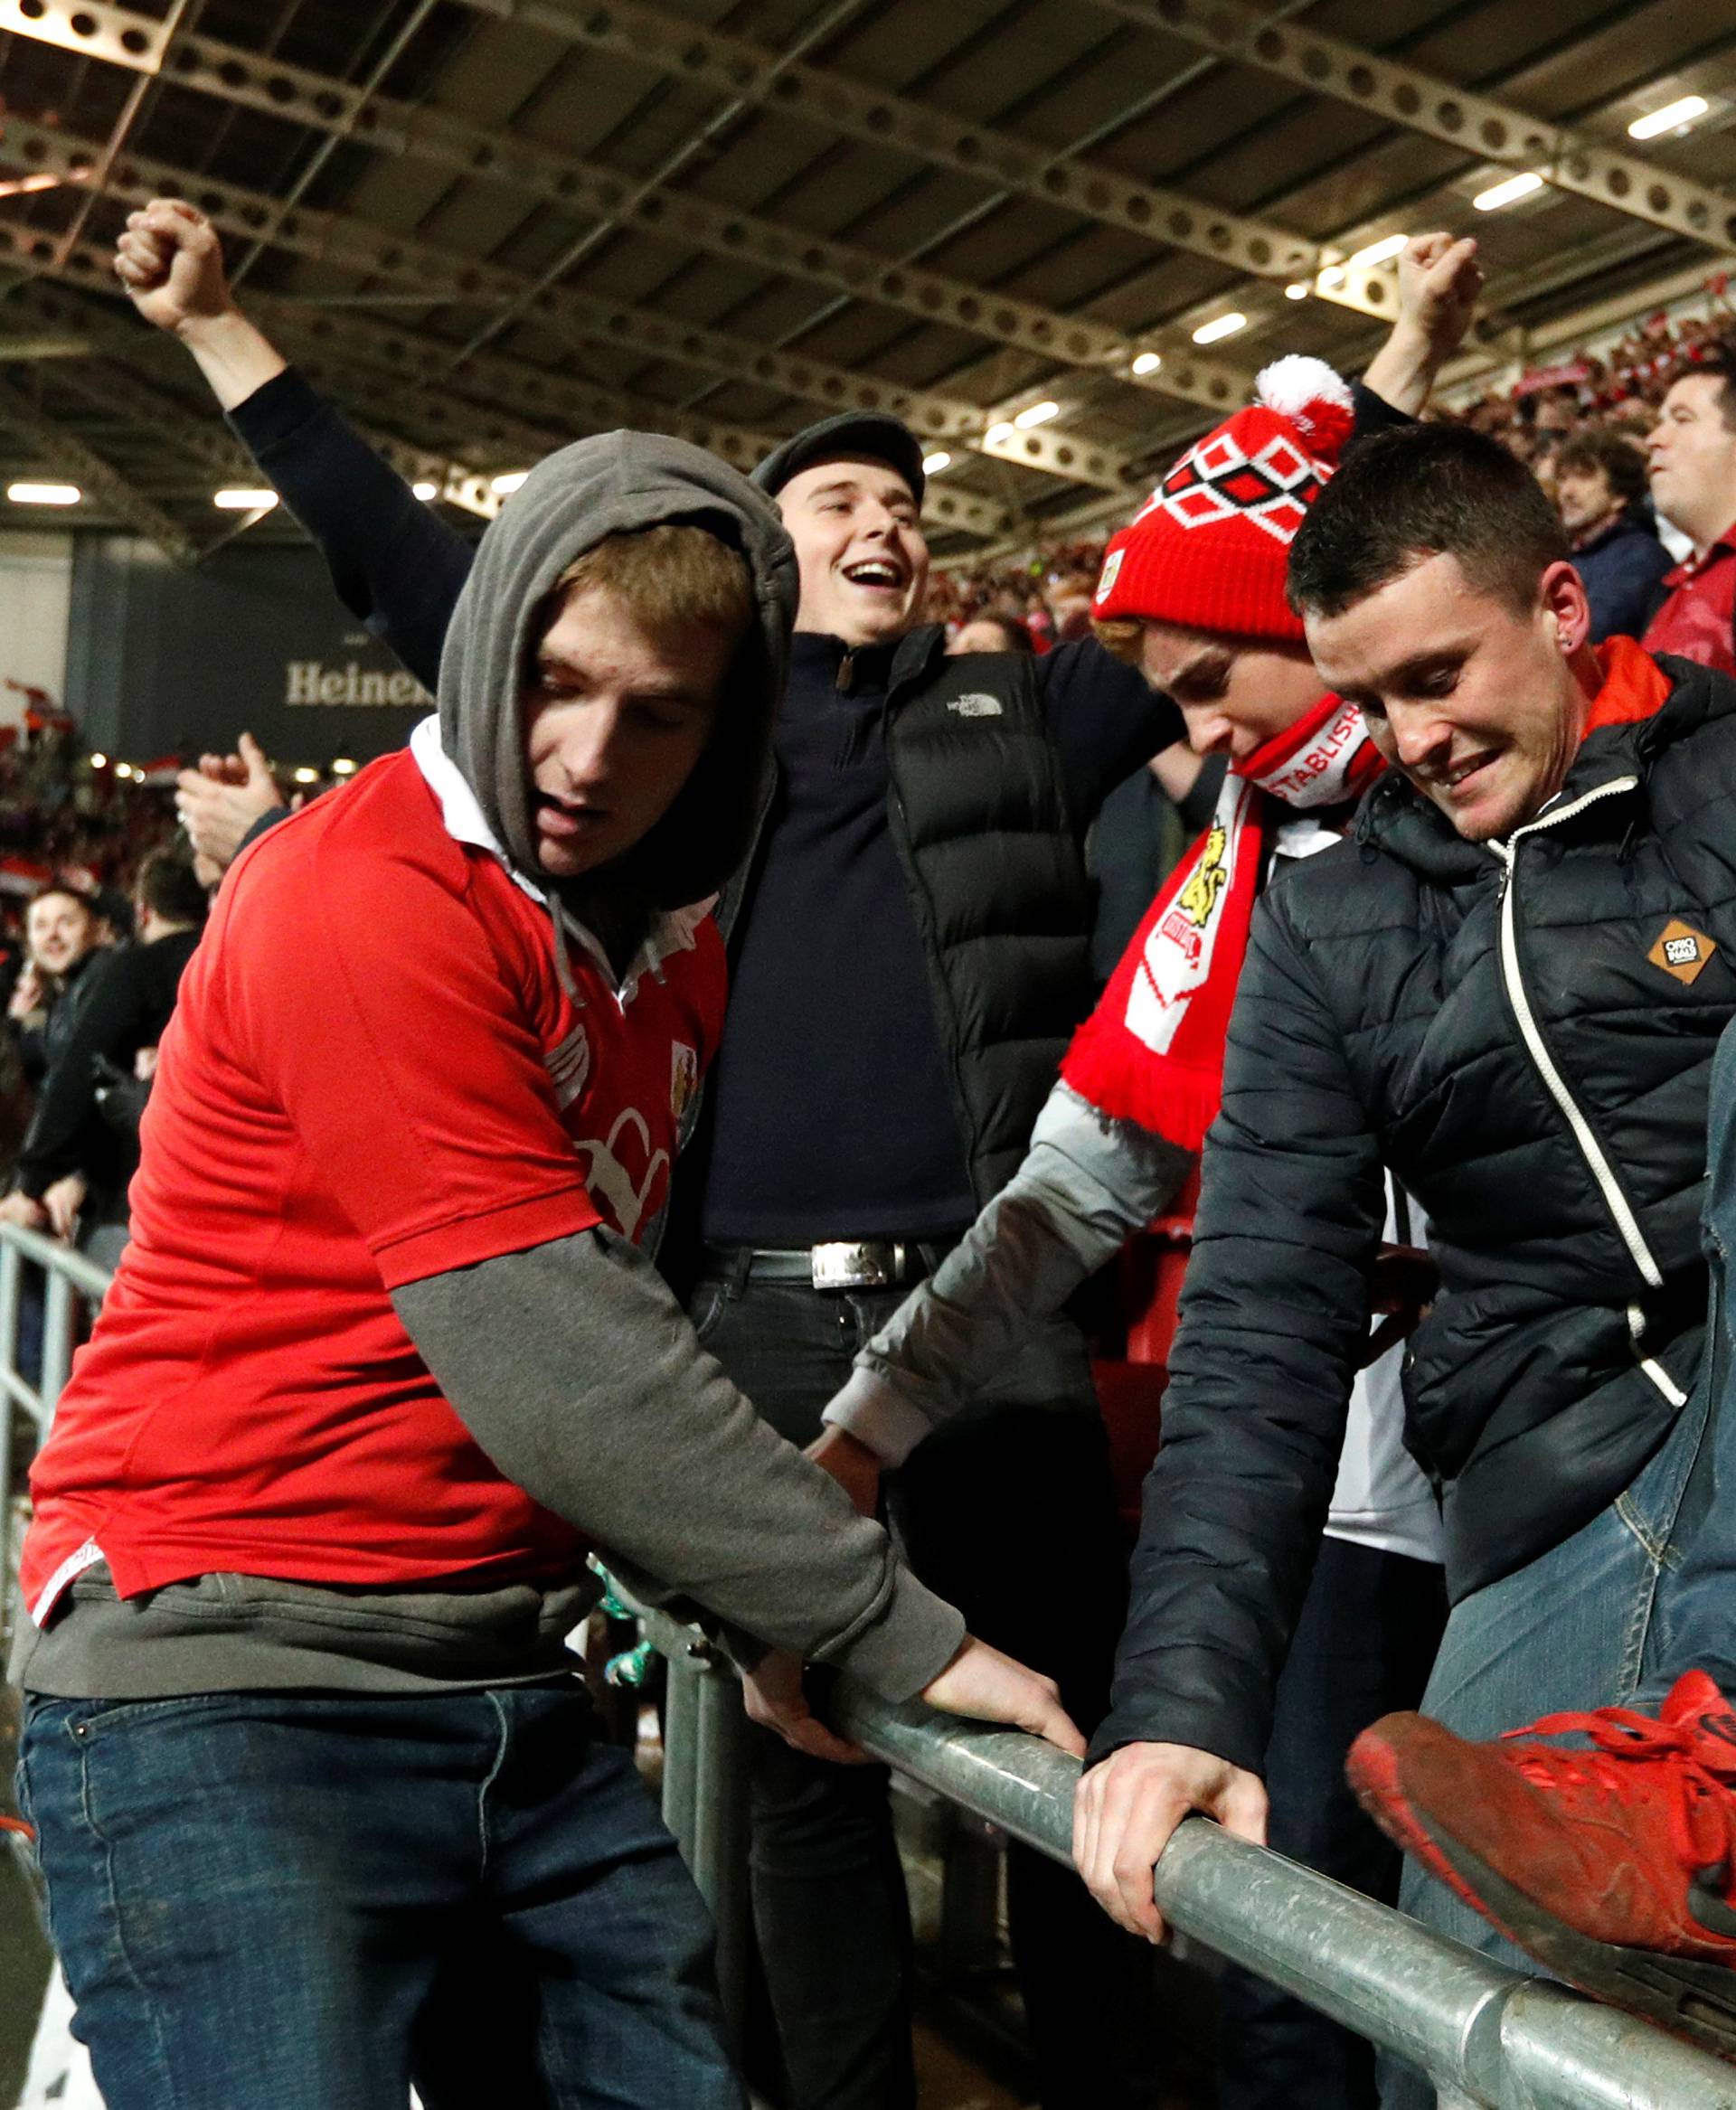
x: 1036, y: 414
x: 1148, y: 363
x: 425, y: 491
x: 1378, y: 252
x: 44, y: 493
x: 1220, y: 327
x: 505, y: 485
x: 306, y: 775
x: 344, y: 767
x: 123, y: 769
x: 1331, y: 274
x: 1509, y: 191
x: 98, y: 761
x: 1296, y: 290
x: 999, y: 435
x: 1674, y: 117
x: 235, y: 499
x: 932, y: 464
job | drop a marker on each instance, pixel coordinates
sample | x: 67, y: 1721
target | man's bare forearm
x: 234, y: 356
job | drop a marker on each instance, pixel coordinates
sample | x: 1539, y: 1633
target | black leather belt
x: 841, y: 1263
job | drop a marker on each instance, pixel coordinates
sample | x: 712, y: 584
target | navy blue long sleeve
x: 396, y: 564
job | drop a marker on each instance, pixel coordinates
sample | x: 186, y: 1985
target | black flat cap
x: 869, y: 433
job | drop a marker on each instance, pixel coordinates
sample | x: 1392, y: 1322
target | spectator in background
x: 61, y: 934
x: 1600, y: 496
x: 1692, y: 451
x: 77, y: 1159
x: 986, y: 633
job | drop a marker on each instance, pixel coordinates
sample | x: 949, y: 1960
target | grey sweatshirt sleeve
x: 1087, y: 1185
x: 579, y: 1374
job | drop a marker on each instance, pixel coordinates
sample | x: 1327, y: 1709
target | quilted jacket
x: 1523, y: 1031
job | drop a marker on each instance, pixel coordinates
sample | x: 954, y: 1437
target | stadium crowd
x: 1443, y: 1437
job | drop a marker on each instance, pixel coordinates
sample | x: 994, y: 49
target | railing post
x: 57, y: 1314
x: 719, y: 1863
x: 705, y: 1804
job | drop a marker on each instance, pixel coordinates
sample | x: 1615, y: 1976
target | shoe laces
x: 1689, y: 1752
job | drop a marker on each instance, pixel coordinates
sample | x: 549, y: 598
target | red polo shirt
x: 1699, y: 620
x: 373, y: 1076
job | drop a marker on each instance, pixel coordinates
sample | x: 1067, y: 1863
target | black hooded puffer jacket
x: 1524, y: 1035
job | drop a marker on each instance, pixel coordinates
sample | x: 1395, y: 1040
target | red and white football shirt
x: 373, y: 1076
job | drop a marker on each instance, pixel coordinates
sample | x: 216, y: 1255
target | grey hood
x: 614, y: 483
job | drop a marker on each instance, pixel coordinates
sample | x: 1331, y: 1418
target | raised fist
x: 171, y: 263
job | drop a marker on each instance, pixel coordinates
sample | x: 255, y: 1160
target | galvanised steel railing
x: 1484, y: 2034
x: 70, y: 1280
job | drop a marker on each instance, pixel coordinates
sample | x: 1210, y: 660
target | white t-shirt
x: 1382, y: 1498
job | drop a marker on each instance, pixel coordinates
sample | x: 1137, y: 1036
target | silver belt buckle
x: 846, y: 1265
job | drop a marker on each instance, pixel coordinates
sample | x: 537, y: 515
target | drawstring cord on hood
x: 562, y: 957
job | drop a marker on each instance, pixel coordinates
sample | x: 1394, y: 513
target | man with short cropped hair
x: 1601, y: 494
x: 1692, y: 454
x: 1507, y: 990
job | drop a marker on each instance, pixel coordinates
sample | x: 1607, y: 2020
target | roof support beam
x: 325, y: 103
x: 59, y: 449
x: 380, y: 369
x: 746, y: 71
x: 1478, y: 125
x: 378, y: 253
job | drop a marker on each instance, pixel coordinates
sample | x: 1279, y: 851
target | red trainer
x: 1614, y: 1866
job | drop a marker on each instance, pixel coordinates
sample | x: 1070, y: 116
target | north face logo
x: 1682, y: 951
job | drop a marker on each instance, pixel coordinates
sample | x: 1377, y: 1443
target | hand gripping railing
x: 1484, y: 2034
x: 69, y: 1279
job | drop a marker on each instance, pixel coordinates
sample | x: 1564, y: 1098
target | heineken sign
x: 164, y: 659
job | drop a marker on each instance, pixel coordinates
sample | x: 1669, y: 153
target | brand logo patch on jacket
x: 977, y: 704
x: 1681, y: 951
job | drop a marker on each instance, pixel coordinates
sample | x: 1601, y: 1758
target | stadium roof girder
x: 444, y: 274
x: 343, y: 110
x: 1481, y: 128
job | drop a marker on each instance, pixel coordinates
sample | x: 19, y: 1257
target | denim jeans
x: 1586, y: 1625
x: 1009, y: 1512
x: 1363, y: 1647
x: 309, y: 1899
x: 1697, y: 1623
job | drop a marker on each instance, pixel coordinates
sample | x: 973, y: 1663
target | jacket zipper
x: 1615, y: 1200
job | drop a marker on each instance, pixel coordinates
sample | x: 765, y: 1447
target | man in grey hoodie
x: 386, y: 1360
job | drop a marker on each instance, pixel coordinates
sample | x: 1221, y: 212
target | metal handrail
x: 69, y: 1276
x: 1486, y: 2035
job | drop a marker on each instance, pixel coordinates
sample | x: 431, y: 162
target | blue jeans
x: 310, y: 1899
x: 1698, y: 1626
x: 1612, y: 1616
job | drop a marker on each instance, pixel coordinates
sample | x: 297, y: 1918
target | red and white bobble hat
x: 1209, y: 547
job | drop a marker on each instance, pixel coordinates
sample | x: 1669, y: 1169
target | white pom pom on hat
x: 1299, y: 387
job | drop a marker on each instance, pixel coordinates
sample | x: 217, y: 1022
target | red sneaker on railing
x: 1614, y: 1866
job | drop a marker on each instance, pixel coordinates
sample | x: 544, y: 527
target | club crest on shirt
x: 1682, y: 951
x: 978, y: 704
x: 1209, y: 876
x: 684, y: 1077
